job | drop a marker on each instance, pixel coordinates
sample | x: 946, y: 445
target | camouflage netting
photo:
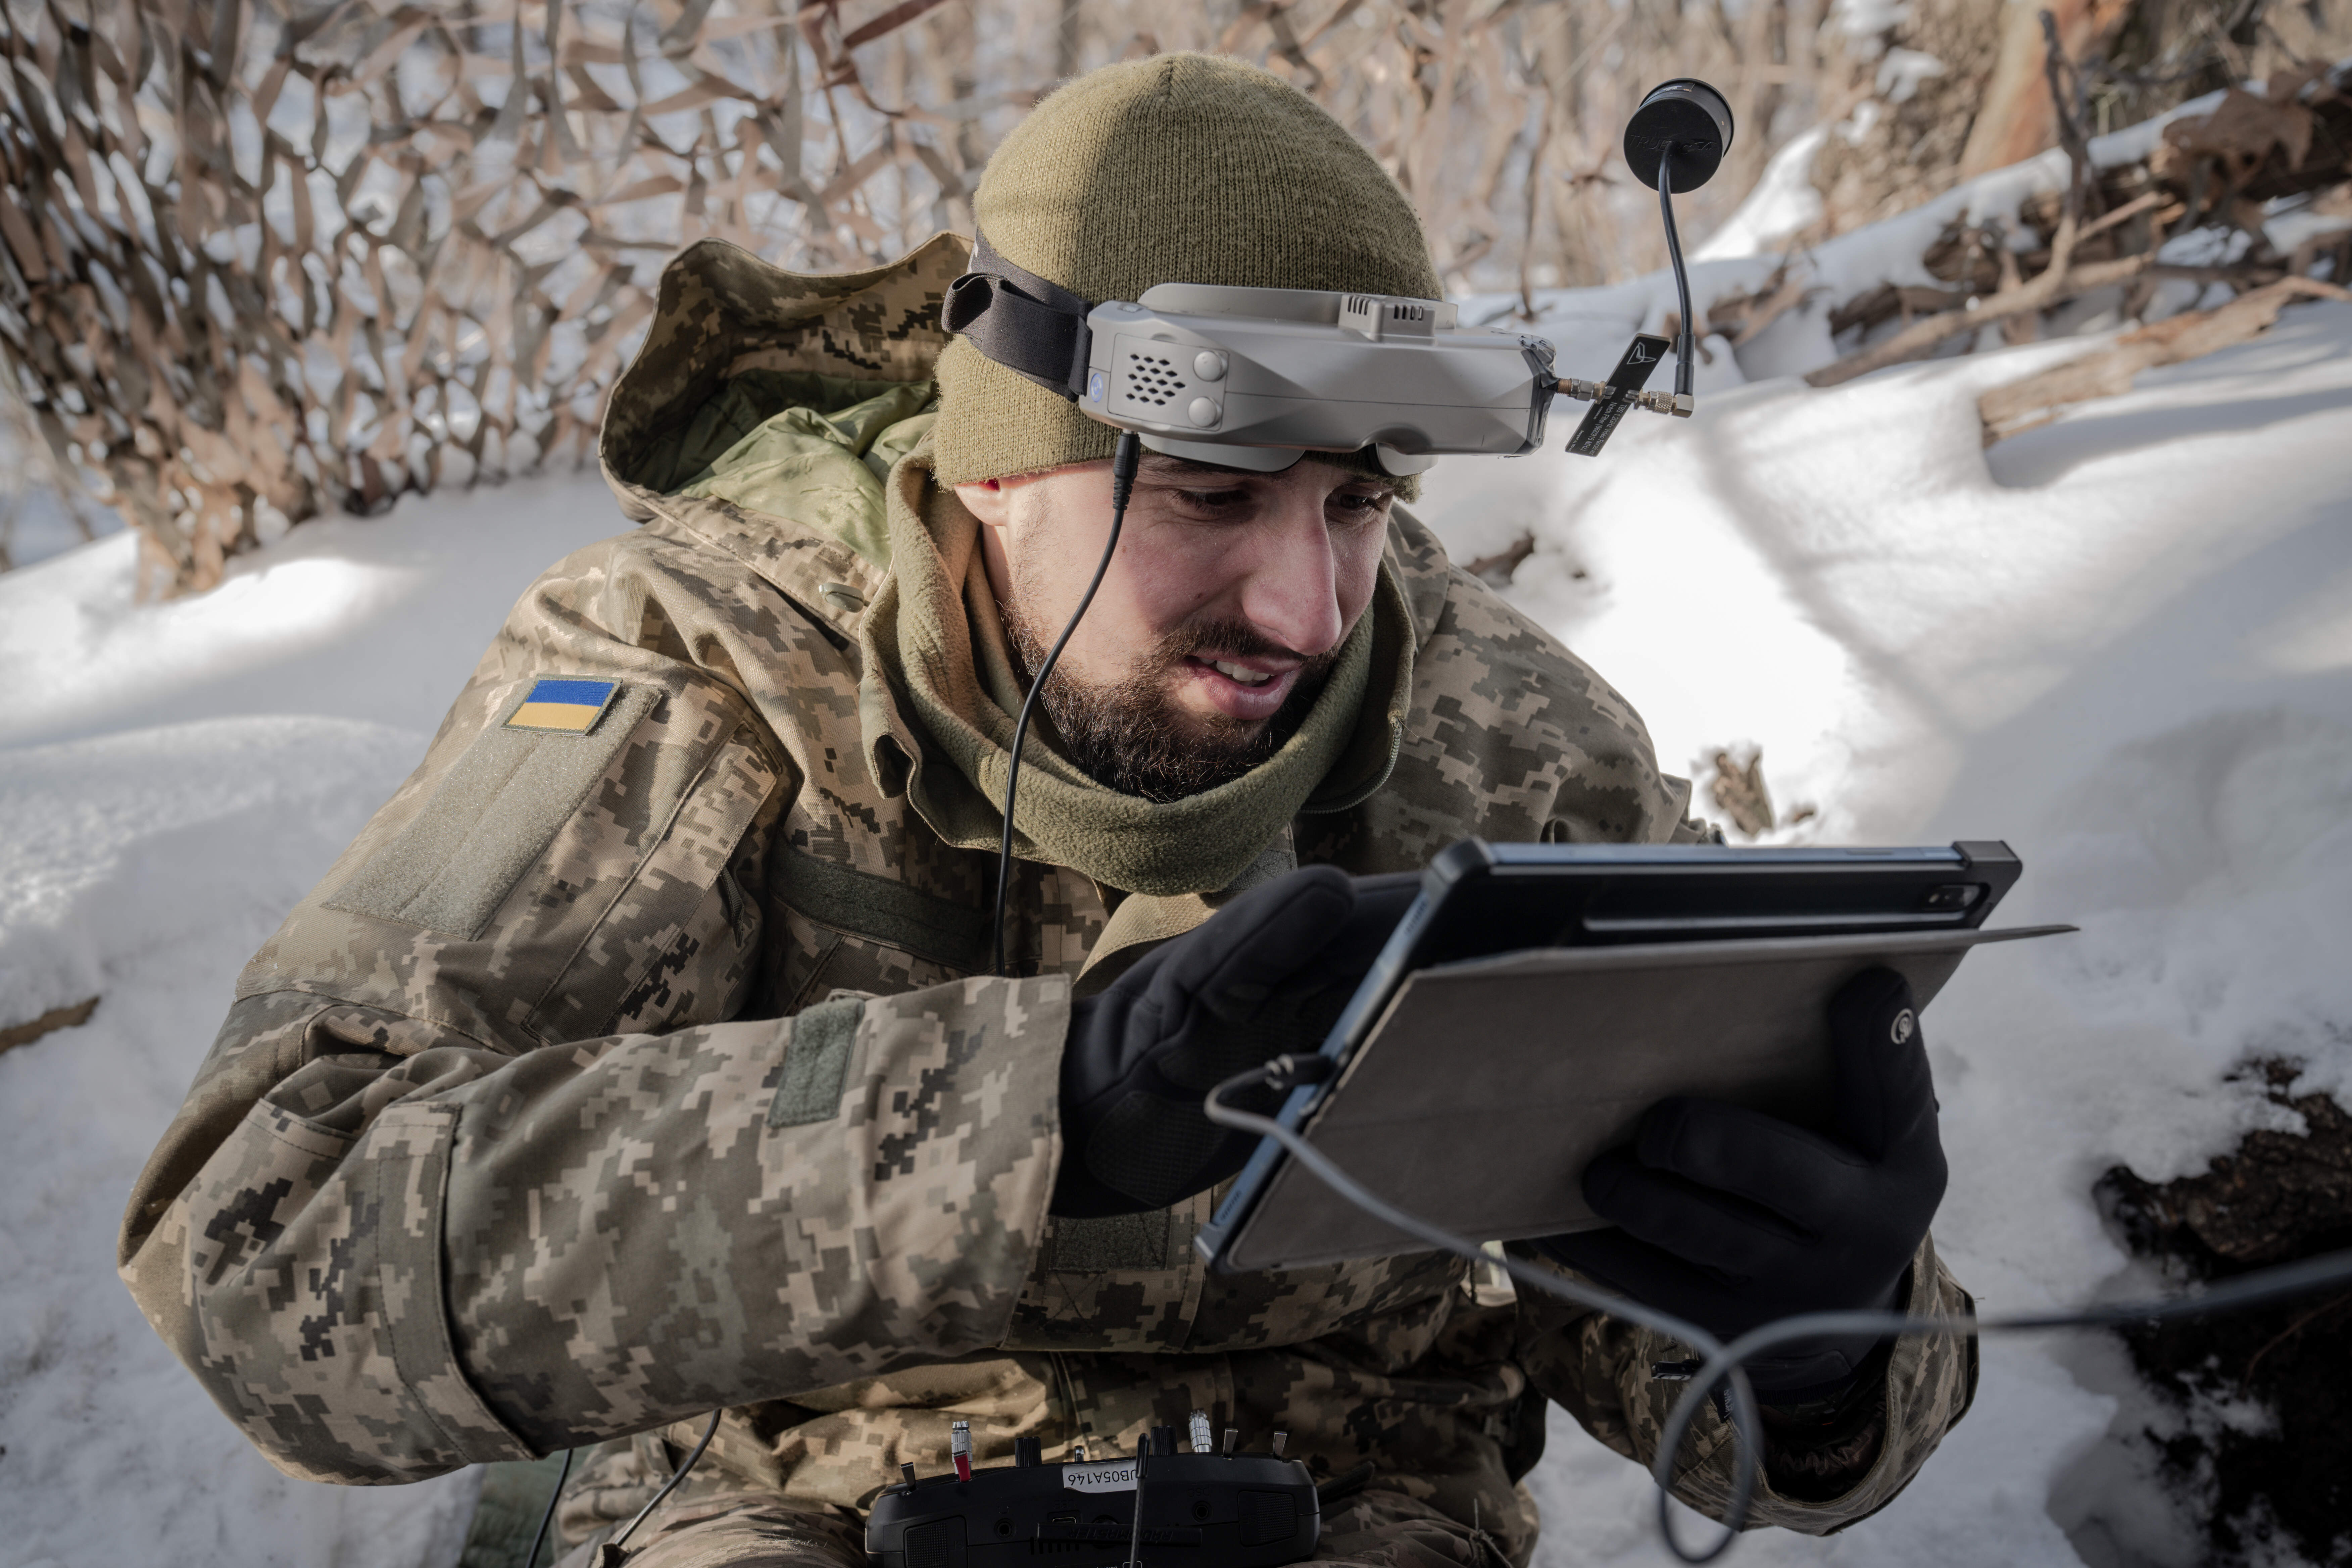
x: 263, y: 261
x: 261, y: 265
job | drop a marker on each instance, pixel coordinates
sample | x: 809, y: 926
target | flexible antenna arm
x: 1682, y: 278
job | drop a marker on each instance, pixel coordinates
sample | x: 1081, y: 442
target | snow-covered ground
x: 2122, y: 643
x: 172, y: 778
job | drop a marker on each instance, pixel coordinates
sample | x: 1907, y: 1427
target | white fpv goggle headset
x: 1255, y: 378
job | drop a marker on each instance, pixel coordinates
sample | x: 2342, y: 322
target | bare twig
x: 2129, y: 210
x: 49, y: 1022
x: 2108, y: 372
x: 2050, y: 286
x: 2246, y: 1378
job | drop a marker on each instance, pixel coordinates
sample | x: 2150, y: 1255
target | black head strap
x: 1028, y: 325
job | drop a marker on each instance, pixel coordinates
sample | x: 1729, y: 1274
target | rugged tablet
x: 1479, y: 900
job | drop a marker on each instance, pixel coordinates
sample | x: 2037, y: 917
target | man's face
x: 1226, y: 603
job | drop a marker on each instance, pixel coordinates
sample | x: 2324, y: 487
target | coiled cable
x: 1724, y: 1363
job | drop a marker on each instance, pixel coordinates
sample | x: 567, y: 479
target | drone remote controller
x: 1200, y: 1509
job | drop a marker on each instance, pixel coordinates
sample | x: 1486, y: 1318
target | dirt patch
x: 2281, y: 1197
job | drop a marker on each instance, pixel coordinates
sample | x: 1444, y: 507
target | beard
x: 1131, y: 736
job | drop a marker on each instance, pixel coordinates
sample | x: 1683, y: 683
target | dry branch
x: 2294, y: 137
x: 2109, y: 372
x: 1497, y: 570
x: 1741, y: 315
x: 1739, y: 792
x: 2047, y: 288
x: 67, y: 1017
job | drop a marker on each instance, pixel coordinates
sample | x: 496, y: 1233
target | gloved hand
x: 1269, y: 972
x: 1729, y: 1217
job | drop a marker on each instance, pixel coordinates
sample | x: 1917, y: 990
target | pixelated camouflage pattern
x: 434, y: 1200
x: 1598, y: 1368
x: 721, y: 311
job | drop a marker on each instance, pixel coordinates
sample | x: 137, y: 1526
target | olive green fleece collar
x: 938, y: 713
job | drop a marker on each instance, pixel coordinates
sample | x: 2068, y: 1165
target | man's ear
x: 985, y: 499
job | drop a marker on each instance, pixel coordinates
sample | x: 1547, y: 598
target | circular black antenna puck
x: 1687, y: 117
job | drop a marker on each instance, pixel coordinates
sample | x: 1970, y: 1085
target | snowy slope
x: 2124, y: 643
x: 172, y: 778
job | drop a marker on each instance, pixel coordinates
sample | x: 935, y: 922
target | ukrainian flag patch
x: 571, y: 707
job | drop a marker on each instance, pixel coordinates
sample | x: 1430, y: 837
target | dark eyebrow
x: 1161, y: 464
x: 1186, y: 468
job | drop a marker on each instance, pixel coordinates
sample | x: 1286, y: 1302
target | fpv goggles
x: 1255, y: 378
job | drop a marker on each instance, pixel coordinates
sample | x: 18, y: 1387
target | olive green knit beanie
x: 1181, y: 168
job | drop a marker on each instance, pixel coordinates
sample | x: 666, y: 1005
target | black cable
x: 671, y: 1485
x: 1124, y: 462
x: 530, y: 1558
x: 1135, y: 1534
x: 1682, y: 278
x: 1723, y: 1362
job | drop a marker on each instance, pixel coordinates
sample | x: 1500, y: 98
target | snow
x: 172, y: 778
x: 34, y: 523
x: 1747, y: 252
x: 1783, y: 203
x: 41, y: 527
x: 1901, y: 71
x: 2122, y: 642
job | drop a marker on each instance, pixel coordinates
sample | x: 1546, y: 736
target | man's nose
x: 1291, y: 592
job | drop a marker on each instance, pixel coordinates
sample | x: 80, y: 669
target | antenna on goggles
x: 1674, y: 141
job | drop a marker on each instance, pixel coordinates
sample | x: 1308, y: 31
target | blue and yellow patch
x: 571, y: 706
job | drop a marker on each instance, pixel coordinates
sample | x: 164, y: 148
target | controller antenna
x: 1675, y: 141
x: 1135, y: 1536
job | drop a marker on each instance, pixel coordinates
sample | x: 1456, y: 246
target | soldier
x: 640, y: 1059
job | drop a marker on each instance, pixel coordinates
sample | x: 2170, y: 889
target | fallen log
x: 2107, y: 373
x: 1889, y: 301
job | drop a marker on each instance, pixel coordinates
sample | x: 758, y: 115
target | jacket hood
x: 720, y: 310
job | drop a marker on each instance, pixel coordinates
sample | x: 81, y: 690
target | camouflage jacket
x: 621, y: 1072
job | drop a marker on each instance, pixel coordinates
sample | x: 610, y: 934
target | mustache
x: 1123, y: 735
x: 1231, y: 639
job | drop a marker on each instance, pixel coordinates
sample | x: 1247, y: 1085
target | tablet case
x: 1489, y: 1084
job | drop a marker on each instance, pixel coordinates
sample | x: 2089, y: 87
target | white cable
x: 1722, y: 1362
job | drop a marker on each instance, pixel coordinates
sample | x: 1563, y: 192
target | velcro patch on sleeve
x: 570, y: 706
x: 816, y: 1063
x: 493, y: 814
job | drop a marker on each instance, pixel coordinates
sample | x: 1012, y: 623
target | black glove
x: 1269, y: 972
x: 1731, y: 1218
